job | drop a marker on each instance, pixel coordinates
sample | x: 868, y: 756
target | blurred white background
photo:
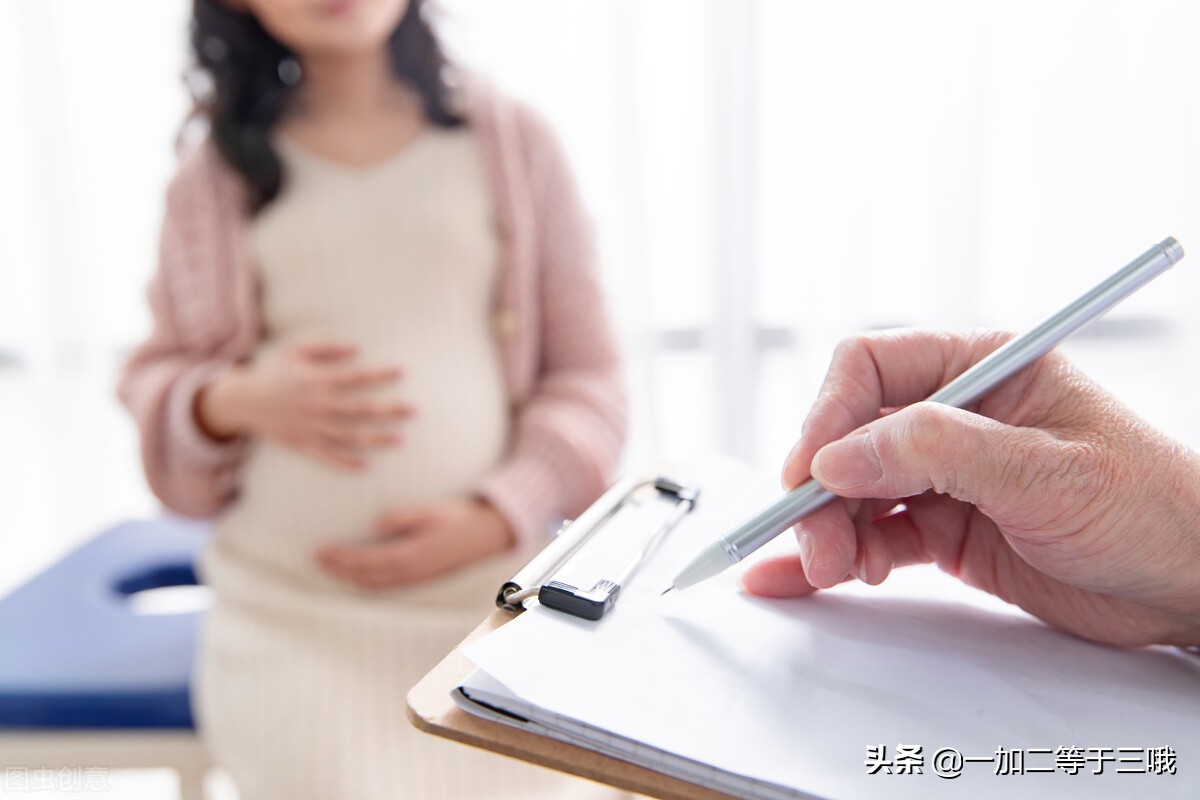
x: 768, y: 176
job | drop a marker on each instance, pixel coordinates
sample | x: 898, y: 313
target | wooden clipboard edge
x: 431, y: 709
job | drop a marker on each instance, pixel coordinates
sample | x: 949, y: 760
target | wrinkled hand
x: 1053, y: 496
x: 312, y: 397
x: 415, y: 544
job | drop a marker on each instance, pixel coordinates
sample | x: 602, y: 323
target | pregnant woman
x: 380, y: 359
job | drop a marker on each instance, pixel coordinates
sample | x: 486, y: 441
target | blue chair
x: 87, y: 680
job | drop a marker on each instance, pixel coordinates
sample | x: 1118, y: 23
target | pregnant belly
x: 288, y: 502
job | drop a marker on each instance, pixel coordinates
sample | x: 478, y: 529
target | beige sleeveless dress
x: 302, y: 678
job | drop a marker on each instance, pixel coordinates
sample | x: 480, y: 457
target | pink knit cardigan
x: 559, y: 359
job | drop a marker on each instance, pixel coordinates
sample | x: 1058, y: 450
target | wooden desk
x: 431, y: 709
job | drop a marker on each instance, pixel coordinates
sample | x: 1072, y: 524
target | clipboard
x: 431, y: 710
x: 923, y: 660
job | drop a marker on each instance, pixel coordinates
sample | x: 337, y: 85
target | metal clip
x: 593, y: 604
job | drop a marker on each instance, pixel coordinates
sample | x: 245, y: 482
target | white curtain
x: 90, y: 99
x: 767, y: 176
x: 773, y: 175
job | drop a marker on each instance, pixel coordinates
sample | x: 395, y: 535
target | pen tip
x: 664, y: 591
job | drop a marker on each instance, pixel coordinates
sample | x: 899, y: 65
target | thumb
x: 926, y: 446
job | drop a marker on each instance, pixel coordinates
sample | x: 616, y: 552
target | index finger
x: 374, y: 564
x: 363, y: 377
x: 320, y: 350
x: 882, y: 369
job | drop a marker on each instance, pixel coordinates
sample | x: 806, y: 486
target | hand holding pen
x: 1088, y: 519
x: 1048, y: 493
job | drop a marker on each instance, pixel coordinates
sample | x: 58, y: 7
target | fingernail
x: 806, y: 547
x: 783, y: 476
x: 847, y: 463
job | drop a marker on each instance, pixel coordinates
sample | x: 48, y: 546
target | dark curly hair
x: 246, y: 93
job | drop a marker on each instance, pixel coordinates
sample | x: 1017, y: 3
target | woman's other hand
x: 310, y: 396
x: 418, y: 543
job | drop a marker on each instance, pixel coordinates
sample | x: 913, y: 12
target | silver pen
x: 968, y: 387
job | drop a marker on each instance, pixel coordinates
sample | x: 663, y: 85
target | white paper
x: 793, y: 692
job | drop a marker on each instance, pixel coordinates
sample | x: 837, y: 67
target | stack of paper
x: 831, y: 696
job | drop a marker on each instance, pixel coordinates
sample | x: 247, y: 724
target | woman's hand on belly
x: 417, y: 543
x: 312, y: 397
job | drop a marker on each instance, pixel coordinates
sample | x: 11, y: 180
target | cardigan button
x: 507, y: 323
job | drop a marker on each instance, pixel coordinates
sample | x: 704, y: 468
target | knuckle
x: 852, y: 347
x: 924, y: 431
x: 845, y: 365
x: 929, y: 439
x: 850, y: 378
